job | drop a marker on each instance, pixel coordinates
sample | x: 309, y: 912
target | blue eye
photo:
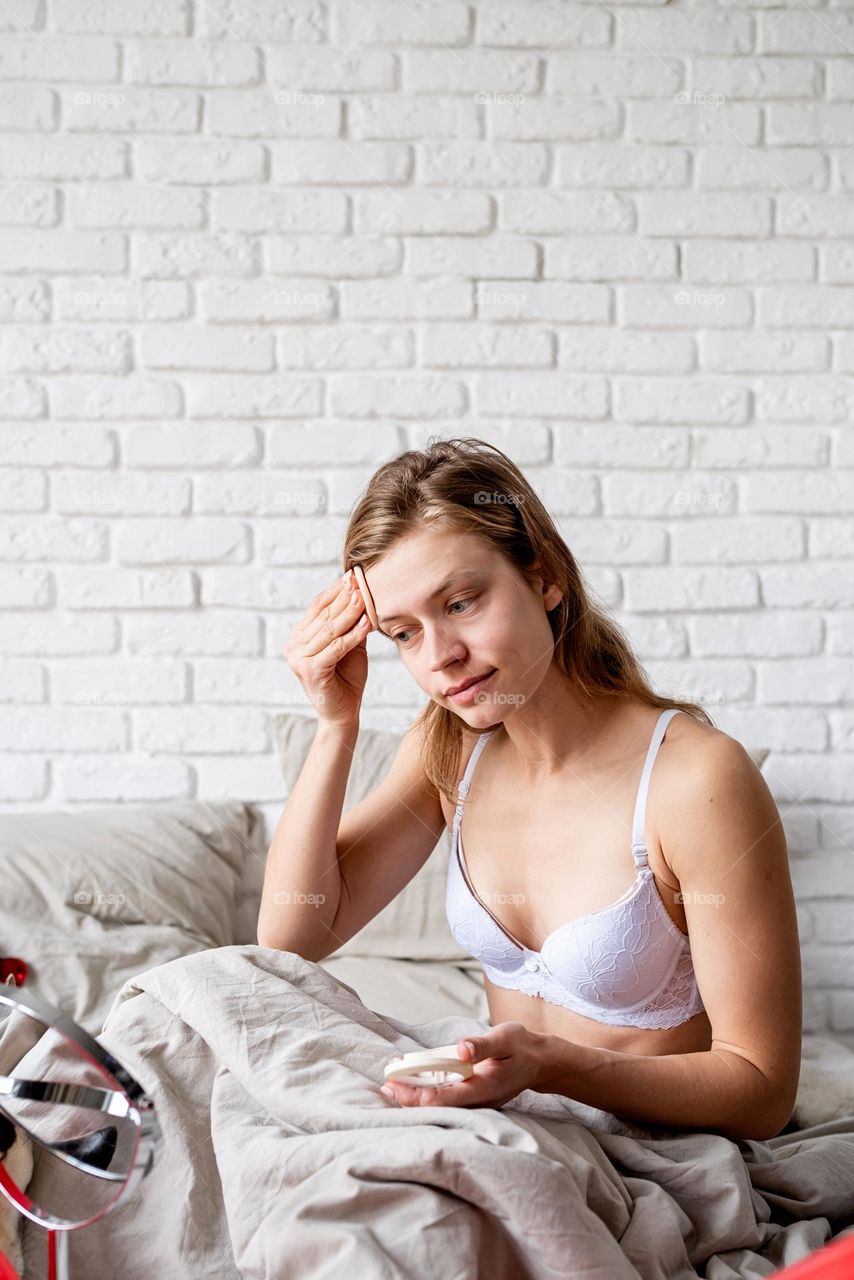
x: 397, y: 635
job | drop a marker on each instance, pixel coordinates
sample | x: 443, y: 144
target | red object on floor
x: 7, y: 1271
x: 835, y: 1261
x: 12, y: 967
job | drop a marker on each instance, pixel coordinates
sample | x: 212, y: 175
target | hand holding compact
x: 501, y: 1063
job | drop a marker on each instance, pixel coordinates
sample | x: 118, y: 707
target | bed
x: 281, y: 1158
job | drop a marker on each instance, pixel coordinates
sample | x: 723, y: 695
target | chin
x: 481, y: 707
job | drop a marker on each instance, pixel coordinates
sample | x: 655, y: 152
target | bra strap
x: 639, y: 850
x: 465, y: 781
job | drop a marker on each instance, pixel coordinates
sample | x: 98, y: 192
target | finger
x: 308, y: 624
x: 467, y: 1050
x: 343, y: 614
x: 323, y: 598
x: 448, y: 1096
x: 482, y: 1048
x: 452, y: 1098
x: 396, y: 1091
x: 410, y: 1095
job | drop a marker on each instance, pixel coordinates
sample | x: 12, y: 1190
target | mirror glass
x: 84, y: 1143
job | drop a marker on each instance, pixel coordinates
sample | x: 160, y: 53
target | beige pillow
x: 414, y: 925
x: 93, y: 897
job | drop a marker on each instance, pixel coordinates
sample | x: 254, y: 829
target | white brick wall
x: 250, y: 250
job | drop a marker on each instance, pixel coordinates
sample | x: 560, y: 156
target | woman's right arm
x: 302, y: 881
x: 327, y: 651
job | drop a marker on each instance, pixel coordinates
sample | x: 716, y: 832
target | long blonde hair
x: 467, y: 485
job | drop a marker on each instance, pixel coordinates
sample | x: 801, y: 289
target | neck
x: 572, y: 734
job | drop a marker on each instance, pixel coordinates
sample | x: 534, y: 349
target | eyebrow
x: 443, y: 586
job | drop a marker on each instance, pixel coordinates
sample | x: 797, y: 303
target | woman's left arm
x: 724, y: 840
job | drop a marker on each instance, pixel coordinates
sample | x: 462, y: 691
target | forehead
x: 408, y: 570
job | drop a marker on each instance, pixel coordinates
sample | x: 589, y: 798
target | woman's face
x: 486, y: 619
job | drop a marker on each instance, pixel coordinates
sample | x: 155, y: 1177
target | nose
x: 442, y: 652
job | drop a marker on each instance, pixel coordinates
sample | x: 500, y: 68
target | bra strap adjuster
x: 639, y: 853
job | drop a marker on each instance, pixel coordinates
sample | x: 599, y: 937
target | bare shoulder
x: 692, y: 749
x: 704, y: 769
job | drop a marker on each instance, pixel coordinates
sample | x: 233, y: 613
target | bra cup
x: 474, y: 929
x: 619, y: 960
x: 494, y: 953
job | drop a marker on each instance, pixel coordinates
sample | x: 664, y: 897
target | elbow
x: 262, y: 936
x: 780, y: 1109
x: 778, y: 1121
x: 765, y: 1124
x: 757, y: 1132
x: 266, y: 934
x: 762, y: 1106
x: 265, y: 939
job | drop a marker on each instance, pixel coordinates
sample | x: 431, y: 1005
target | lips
x: 459, y: 688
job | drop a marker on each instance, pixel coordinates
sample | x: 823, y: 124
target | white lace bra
x: 627, y: 964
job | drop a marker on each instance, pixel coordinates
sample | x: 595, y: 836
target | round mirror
x: 92, y: 1128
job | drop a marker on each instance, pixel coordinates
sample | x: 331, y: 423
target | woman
x: 675, y: 1001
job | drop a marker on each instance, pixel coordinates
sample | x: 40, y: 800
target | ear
x: 551, y: 592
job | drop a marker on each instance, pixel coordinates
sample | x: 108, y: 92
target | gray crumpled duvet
x: 282, y: 1159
